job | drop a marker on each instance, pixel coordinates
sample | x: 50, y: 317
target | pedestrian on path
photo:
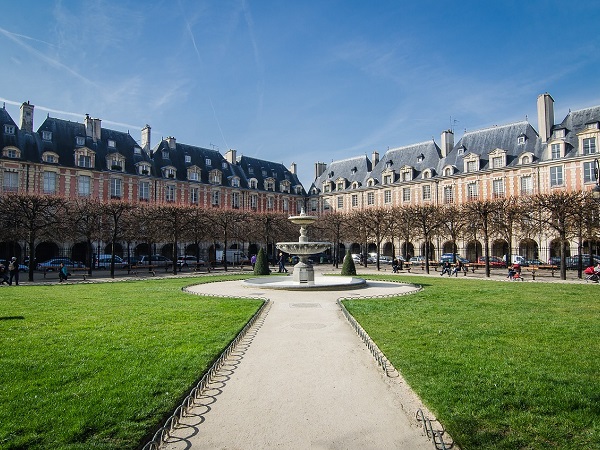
x: 282, y: 263
x: 13, y: 268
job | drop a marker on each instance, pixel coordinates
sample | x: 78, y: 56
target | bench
x: 84, y: 271
x: 200, y: 267
x: 137, y: 267
x: 535, y: 269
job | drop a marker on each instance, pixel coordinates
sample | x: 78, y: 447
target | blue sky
x: 299, y: 81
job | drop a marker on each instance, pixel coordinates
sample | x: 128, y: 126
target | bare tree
x: 557, y: 211
x: 452, y: 224
x: 403, y: 227
x: 113, y: 212
x: 379, y: 225
x: 332, y: 225
x: 505, y: 219
x: 223, y: 222
x: 84, y: 219
x: 173, y: 219
x: 481, y: 213
x: 32, y: 216
x: 427, y: 221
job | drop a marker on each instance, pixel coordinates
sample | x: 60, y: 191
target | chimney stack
x: 375, y: 158
x: 231, y: 156
x: 320, y: 167
x: 293, y: 168
x: 172, y: 142
x: 89, y: 126
x: 27, y: 117
x: 146, y: 138
x: 97, y: 129
x: 447, y: 142
x: 545, y: 110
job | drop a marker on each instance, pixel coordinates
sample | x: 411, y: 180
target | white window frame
x: 557, y: 177
x: 116, y: 188
x: 50, y: 179
x: 426, y: 192
x: 10, y: 183
x: 526, y: 185
x: 84, y: 185
x: 144, y: 190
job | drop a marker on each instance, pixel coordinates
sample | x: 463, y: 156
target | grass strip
x: 100, y: 365
x: 502, y: 365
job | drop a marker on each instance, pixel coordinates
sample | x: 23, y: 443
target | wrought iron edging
x: 163, y: 433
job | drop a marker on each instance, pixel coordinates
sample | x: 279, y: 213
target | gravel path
x: 303, y: 379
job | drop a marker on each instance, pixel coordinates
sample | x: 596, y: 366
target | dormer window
x: 111, y: 143
x: 137, y: 151
x: 84, y: 161
x: 264, y: 173
x: 9, y: 129
x: 560, y: 133
x: 116, y: 162
x: 592, y: 125
x: 521, y: 140
x: 47, y: 135
x: 235, y: 182
x: 497, y: 162
x: 389, y: 164
x: 215, y: 177
x: 471, y: 163
x: 420, y: 158
x: 330, y: 174
x: 188, y: 159
x: 85, y: 158
x: 253, y: 183
x: 251, y: 170
x: 193, y: 176
x: 556, y: 151
x: 461, y: 150
x: 407, y: 174
x: 589, y: 146
x: 298, y: 190
x: 165, y: 154
x: 353, y: 170
x: 388, y: 178
x: 79, y: 141
x: 11, y: 152
x: 144, y: 169
x: 525, y: 159
x: 208, y: 162
x: 284, y: 186
x: 50, y: 157
x: 224, y: 165
x: 426, y: 174
x: 270, y: 184
x: 169, y: 172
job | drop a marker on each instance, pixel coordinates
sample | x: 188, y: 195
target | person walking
x: 282, y: 263
x: 13, y: 269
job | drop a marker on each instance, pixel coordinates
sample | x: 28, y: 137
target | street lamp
x: 596, y: 196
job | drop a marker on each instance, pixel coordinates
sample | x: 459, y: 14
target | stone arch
x: 407, y: 250
x: 499, y: 248
x: 355, y: 248
x: 9, y: 249
x: 46, y: 250
x: 474, y: 250
x: 529, y: 249
x: 118, y: 249
x: 79, y: 252
x: 431, y: 250
x: 388, y: 249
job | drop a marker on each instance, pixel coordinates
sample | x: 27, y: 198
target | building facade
x: 492, y: 163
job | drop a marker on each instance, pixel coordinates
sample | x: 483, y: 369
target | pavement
x: 304, y: 380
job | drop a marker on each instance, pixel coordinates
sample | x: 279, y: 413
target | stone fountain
x: 303, y: 276
x: 303, y: 271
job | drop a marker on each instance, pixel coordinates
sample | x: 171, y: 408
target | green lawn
x: 100, y: 365
x: 502, y: 365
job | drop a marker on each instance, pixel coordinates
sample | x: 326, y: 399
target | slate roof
x: 421, y: 156
x: 484, y: 141
x: 352, y: 169
x: 25, y: 141
x: 261, y: 170
x: 575, y: 122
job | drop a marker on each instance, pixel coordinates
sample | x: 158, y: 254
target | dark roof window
x: 79, y: 140
x: 9, y: 129
x: 47, y: 135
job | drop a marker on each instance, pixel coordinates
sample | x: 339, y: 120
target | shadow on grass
x: 12, y: 318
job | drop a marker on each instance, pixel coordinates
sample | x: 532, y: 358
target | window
x: 299, y: 205
x: 525, y: 160
x: 589, y: 146
x: 313, y: 204
x: 341, y: 186
x: 556, y: 176
x: 254, y: 201
x: 137, y: 151
x: 526, y: 185
x: 407, y: 175
x: 116, y: 188
x: 193, y: 176
x: 253, y: 183
x: 521, y: 140
x: 50, y: 158
x: 270, y: 203
x: 169, y: 172
x: 426, y: 192
x: 165, y: 154
x: 447, y: 172
x: 472, y: 191
x: 111, y: 143
x: 340, y: 202
x: 194, y: 196
x: 420, y: 158
x: 387, y: 196
x: 9, y: 129
x: 47, y: 135
x: 589, y: 172
x: 235, y: 200
x: 354, y: 201
x: 188, y: 159
x: 170, y: 193
x: 264, y: 173
x: 144, y: 190
x: 326, y: 187
x: 286, y: 206
x: 49, y: 182
x: 251, y: 170
x: 498, y: 188
x: 224, y: 165
x: 406, y: 194
x: 79, y: 141
x: 215, y: 177
x: 448, y: 194
x: 84, y: 161
x: 555, y: 151
x: 115, y: 163
x: 144, y: 169
x: 84, y: 185
x: 387, y: 179
x: 370, y: 198
x: 471, y: 166
x: 497, y: 162
x: 270, y: 185
x: 11, y: 182
x: 12, y: 153
x: 235, y: 182
x: 215, y: 198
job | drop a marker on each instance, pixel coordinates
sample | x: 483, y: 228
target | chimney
x: 447, y: 142
x: 89, y: 126
x: 27, y: 117
x: 146, y: 138
x: 172, y: 142
x: 375, y: 158
x: 293, y: 168
x: 97, y: 130
x: 319, y: 169
x: 545, y: 110
x: 231, y: 156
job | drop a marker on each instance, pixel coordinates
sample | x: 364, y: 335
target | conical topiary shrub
x: 262, y: 265
x: 348, y: 268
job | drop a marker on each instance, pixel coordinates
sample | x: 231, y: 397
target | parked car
x: 533, y: 262
x: 573, y: 261
x: 495, y: 261
x: 155, y: 260
x: 417, y: 260
x: 130, y: 261
x: 54, y: 264
x: 385, y: 259
x: 187, y: 260
x: 554, y: 261
x: 452, y: 258
x: 103, y: 262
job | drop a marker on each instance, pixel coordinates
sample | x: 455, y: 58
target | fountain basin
x: 321, y: 283
x: 303, y: 248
